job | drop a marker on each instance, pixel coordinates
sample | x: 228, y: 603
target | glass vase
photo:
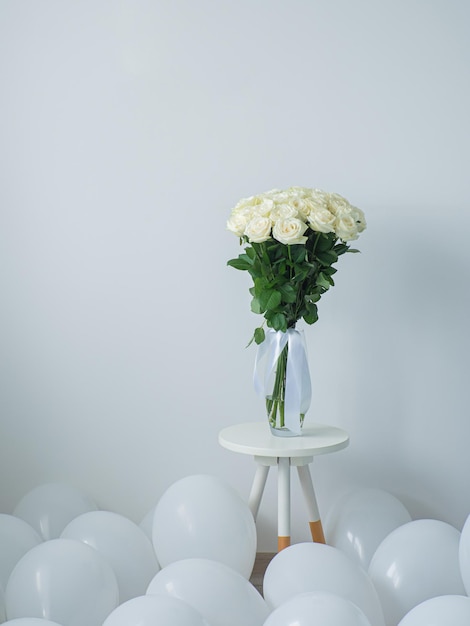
x: 287, y: 387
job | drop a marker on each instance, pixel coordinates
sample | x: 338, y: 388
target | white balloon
x: 201, y: 516
x: 123, y: 544
x: 153, y: 611
x: 464, y: 555
x: 31, y: 621
x: 415, y: 562
x: 222, y: 595
x: 62, y: 580
x: 16, y: 538
x: 305, y: 567
x: 360, y: 520
x: 50, y: 507
x: 317, y: 607
x: 449, y: 610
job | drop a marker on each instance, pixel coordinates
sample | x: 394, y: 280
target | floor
x: 261, y: 563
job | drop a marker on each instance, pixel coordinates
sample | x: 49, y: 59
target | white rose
x: 283, y: 211
x: 289, y: 231
x: 301, y: 205
x: 238, y: 220
x: 318, y: 196
x: 279, y: 197
x: 337, y: 204
x: 249, y: 203
x: 272, y: 193
x: 316, y: 201
x: 258, y: 229
x: 345, y: 227
x: 322, y: 221
x: 303, y: 192
x: 264, y: 208
x: 359, y: 218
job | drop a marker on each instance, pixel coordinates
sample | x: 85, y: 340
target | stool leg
x: 315, y: 524
x: 257, y: 488
x: 283, y: 503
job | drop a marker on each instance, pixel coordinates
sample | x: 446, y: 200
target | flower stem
x: 265, y: 263
x: 275, y: 403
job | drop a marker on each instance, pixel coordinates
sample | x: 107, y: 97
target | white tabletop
x: 255, y: 438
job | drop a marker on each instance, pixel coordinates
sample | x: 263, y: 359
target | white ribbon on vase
x: 298, y: 393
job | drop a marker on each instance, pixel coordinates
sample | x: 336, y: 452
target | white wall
x: 128, y: 129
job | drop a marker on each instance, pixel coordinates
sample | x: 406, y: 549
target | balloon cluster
x: 64, y: 562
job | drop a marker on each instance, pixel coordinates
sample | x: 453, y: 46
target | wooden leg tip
x: 316, y: 530
x: 282, y: 542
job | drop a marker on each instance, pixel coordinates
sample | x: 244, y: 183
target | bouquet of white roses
x: 295, y: 237
x: 292, y: 239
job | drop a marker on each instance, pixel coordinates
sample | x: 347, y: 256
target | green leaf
x: 311, y: 307
x: 260, y: 284
x: 259, y: 335
x: 259, y: 332
x: 327, y: 257
x: 288, y: 292
x: 301, y: 273
x: 312, y: 297
x: 353, y: 250
x: 341, y: 248
x: 280, y: 267
x: 311, y: 317
x: 274, y: 300
x: 240, y: 263
x: 313, y: 265
x: 255, y: 306
x: 325, y: 242
x: 269, y: 299
x: 277, y: 321
x: 323, y: 281
x: 297, y: 253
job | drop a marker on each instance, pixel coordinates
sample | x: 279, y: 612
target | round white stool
x: 255, y: 438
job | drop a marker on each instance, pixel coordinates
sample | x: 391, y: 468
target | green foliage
x: 289, y: 280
